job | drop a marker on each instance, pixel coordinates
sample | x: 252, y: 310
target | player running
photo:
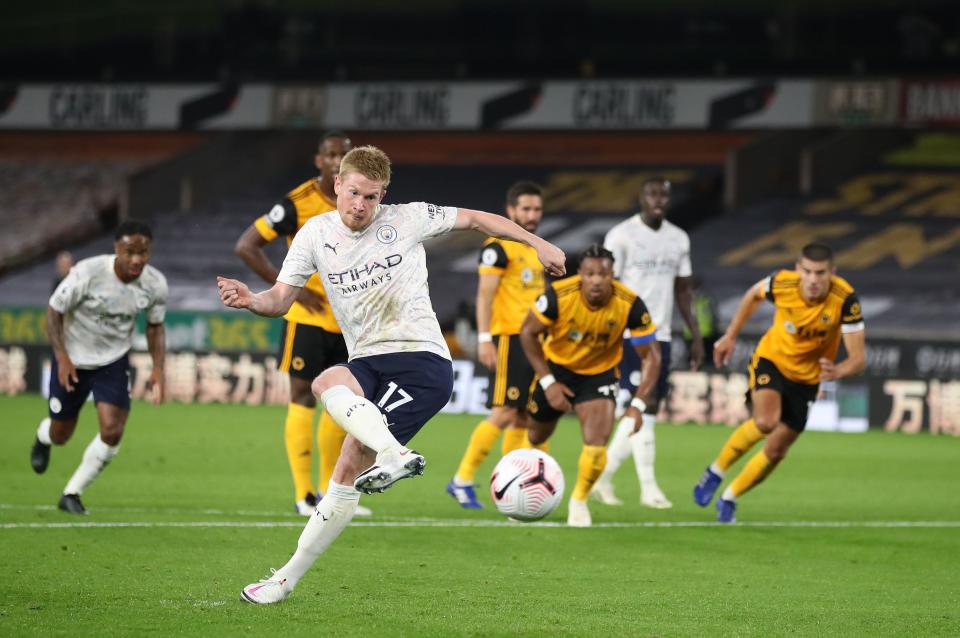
x: 371, y: 261
x: 90, y: 323
x: 584, y: 318
x: 312, y: 340
x: 511, y: 278
x: 814, y: 308
x: 652, y: 259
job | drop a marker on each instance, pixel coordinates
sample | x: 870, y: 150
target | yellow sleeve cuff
x: 539, y: 315
x: 265, y: 231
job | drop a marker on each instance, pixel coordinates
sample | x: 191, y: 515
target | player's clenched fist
x: 233, y: 293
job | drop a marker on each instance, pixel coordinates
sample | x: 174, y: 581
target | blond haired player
x: 584, y: 318
x: 511, y: 278
x: 399, y: 373
x: 311, y: 340
x: 815, y: 309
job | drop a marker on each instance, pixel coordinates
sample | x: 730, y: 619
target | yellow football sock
x: 330, y: 438
x: 481, y: 442
x: 514, y: 439
x: 756, y: 469
x: 543, y: 447
x: 738, y: 444
x: 593, y: 459
x: 298, y: 436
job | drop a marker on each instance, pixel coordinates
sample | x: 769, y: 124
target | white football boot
x: 389, y: 467
x: 603, y: 491
x: 266, y: 592
x: 653, y: 496
x: 578, y: 515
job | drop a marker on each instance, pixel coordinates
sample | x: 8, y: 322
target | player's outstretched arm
x: 723, y: 348
x: 269, y: 303
x: 552, y: 258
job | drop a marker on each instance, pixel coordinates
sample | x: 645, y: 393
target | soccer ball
x: 526, y: 485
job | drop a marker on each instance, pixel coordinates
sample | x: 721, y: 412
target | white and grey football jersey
x: 375, y: 279
x: 99, y: 310
x: 648, y: 261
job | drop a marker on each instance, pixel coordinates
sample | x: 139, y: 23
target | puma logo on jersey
x: 333, y: 248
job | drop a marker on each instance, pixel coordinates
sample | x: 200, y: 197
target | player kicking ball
x: 399, y: 374
x: 584, y: 318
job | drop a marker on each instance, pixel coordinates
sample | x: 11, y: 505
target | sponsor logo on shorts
x: 763, y: 379
x: 55, y: 405
x: 297, y: 363
x: 532, y: 407
x: 513, y: 393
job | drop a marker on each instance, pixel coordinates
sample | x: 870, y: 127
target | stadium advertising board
x: 559, y: 105
x: 137, y: 106
x: 933, y: 102
x: 859, y: 103
x: 186, y: 330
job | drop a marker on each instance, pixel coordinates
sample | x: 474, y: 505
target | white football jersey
x: 99, y: 310
x: 375, y: 279
x: 648, y: 261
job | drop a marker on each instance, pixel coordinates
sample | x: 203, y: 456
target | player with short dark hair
x: 583, y: 319
x: 399, y: 373
x: 311, y: 339
x: 511, y: 278
x: 815, y: 310
x: 90, y: 323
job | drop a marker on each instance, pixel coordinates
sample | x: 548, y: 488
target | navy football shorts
x: 630, y: 369
x: 408, y: 387
x: 109, y: 384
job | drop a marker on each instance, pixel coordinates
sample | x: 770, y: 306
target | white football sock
x: 618, y: 450
x: 359, y: 417
x: 333, y: 514
x: 96, y: 457
x: 716, y: 470
x: 43, y: 432
x: 728, y: 495
x: 644, y: 451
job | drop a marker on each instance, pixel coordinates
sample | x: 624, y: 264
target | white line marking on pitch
x: 451, y: 523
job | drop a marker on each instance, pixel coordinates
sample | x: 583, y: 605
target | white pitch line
x: 487, y: 523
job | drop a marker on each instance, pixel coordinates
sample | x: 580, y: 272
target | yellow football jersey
x: 521, y: 282
x: 589, y: 340
x: 802, y: 333
x: 286, y: 218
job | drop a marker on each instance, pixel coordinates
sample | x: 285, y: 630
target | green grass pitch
x: 854, y: 535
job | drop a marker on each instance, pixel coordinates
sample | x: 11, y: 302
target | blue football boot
x: 726, y: 511
x: 465, y: 495
x: 704, y: 490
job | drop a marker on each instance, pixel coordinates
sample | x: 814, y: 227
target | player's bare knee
x: 336, y: 375
x: 301, y: 392
x: 61, y: 431
x: 111, y: 433
x: 766, y: 423
x: 537, y: 435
